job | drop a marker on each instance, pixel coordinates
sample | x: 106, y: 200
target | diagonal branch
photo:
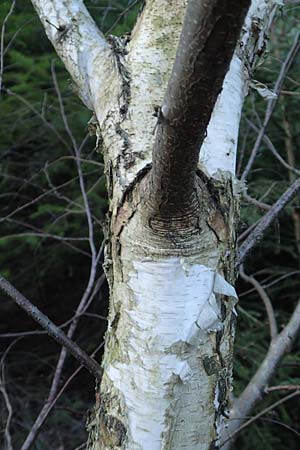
x: 255, y: 389
x: 81, y: 46
x: 208, y: 39
x: 56, y: 333
x: 272, y: 149
x: 266, y: 221
x: 225, y: 445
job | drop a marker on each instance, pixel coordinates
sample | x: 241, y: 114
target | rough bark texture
x: 167, y: 365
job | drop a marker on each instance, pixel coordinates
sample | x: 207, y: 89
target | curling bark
x: 171, y: 236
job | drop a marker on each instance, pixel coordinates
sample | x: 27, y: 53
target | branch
x: 283, y: 387
x: 254, y: 418
x: 57, y: 334
x: 208, y: 39
x: 255, y: 389
x: 5, y: 395
x: 266, y: 301
x: 272, y: 102
x: 272, y: 149
x: 2, y: 49
x: 48, y: 406
x: 266, y: 221
x: 81, y: 46
x: 78, y: 164
x: 256, y: 202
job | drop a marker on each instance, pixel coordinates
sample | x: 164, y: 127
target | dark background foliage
x: 42, y: 215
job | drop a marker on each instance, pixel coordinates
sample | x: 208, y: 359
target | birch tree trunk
x: 170, y: 251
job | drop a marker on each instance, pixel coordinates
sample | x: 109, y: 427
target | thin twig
x: 78, y: 163
x: 257, y: 416
x: 266, y: 301
x: 48, y: 406
x: 9, y: 416
x: 3, y: 391
x: 283, y: 387
x: 257, y: 203
x: 36, y: 199
x: 53, y: 331
x: 255, y: 389
x: 279, y: 422
x: 272, y: 103
x: 271, y: 147
x: 121, y: 15
x: 37, y: 113
x: 43, y: 235
x: 266, y: 221
x: 2, y: 50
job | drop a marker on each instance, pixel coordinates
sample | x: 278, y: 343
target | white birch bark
x: 167, y: 362
x: 218, y: 152
x: 82, y: 48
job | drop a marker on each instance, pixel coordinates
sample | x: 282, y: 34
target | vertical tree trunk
x: 167, y: 365
x: 168, y: 356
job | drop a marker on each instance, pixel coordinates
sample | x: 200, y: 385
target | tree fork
x: 207, y: 43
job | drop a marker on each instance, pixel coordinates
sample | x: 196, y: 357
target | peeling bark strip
x: 207, y: 43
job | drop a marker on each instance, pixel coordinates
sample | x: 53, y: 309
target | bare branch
x: 271, y: 147
x: 255, y: 389
x: 207, y: 43
x: 256, y: 202
x: 53, y: 331
x: 3, y: 391
x: 272, y: 102
x: 2, y: 49
x: 254, y: 418
x: 38, y: 198
x: 81, y: 46
x: 35, y: 111
x: 82, y: 307
x: 78, y: 164
x: 283, y: 387
x: 266, y: 221
x: 266, y: 300
x: 69, y: 321
x: 48, y: 406
x: 89, y: 291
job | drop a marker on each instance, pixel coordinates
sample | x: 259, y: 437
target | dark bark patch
x: 211, y: 365
x: 113, y: 432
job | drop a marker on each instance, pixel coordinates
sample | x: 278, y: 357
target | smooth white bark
x: 218, y: 152
x: 83, y: 49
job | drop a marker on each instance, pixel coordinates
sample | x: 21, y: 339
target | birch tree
x: 166, y: 105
